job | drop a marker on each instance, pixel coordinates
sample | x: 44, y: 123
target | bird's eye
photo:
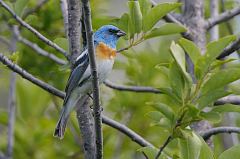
x: 113, y: 31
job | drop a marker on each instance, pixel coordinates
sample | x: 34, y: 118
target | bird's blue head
x: 108, y: 34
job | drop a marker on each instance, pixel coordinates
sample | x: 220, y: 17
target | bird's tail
x: 61, y: 124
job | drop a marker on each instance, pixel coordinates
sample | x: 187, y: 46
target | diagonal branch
x: 230, y: 49
x: 95, y: 83
x: 140, y: 89
x: 214, y: 131
x: 225, y: 16
x: 34, y: 31
x: 30, y: 77
x: 39, y: 50
x: 125, y: 130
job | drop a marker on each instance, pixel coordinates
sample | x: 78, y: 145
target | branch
x: 64, y: 10
x: 232, y: 99
x: 169, y: 139
x: 122, y: 128
x: 214, y: 131
x: 125, y: 130
x: 214, y: 31
x: 230, y: 49
x: 86, y: 124
x: 11, y: 115
x: 96, y: 105
x: 34, y: 31
x: 227, y: 15
x: 74, y: 28
x: 30, y: 77
x: 140, y: 89
x: 39, y: 50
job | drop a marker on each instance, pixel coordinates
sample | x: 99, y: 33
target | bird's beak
x: 121, y: 33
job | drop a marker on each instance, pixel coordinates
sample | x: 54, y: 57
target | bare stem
x: 163, y: 146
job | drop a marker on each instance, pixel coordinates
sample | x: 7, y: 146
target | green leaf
x: 135, y: 16
x: 122, y: 23
x: 211, y: 116
x: 221, y: 79
x: 194, y: 147
x: 216, y: 47
x: 192, y: 50
x: 211, y: 97
x: 166, y: 29
x: 165, y: 110
x: 149, y: 151
x: 177, y: 80
x: 156, y: 13
x: 231, y: 153
x: 145, y: 6
x: 19, y: 6
x: 32, y: 19
x: 179, y: 55
x: 155, y: 115
x: 63, y: 42
x: 226, y: 108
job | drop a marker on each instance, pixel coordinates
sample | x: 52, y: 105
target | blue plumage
x: 79, y: 83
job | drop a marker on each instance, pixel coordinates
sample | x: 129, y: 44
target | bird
x: 80, y: 80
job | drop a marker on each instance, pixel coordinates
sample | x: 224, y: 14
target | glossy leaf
x: 211, y: 116
x: 211, y: 97
x: 216, y: 47
x: 194, y: 147
x: 166, y: 29
x: 156, y: 13
x: 145, y: 6
x: 221, y: 79
x: 231, y: 153
x: 226, y: 108
x: 165, y: 110
x: 192, y: 50
x: 135, y: 16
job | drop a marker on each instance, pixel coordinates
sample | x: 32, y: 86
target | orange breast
x: 105, y: 52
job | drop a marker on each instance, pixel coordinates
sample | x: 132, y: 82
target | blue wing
x: 76, y: 75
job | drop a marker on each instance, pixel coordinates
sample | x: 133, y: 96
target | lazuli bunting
x: 80, y: 80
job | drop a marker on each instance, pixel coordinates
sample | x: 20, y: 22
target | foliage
x: 159, y: 63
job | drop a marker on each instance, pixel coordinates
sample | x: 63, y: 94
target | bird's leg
x: 91, y: 106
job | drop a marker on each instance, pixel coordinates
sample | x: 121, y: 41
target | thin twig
x: 130, y: 133
x: 140, y: 89
x: 125, y: 130
x: 232, y: 99
x: 39, y: 50
x: 214, y: 131
x: 163, y: 146
x: 230, y: 49
x: 227, y: 15
x: 34, y: 31
x: 96, y: 105
x: 30, y: 77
